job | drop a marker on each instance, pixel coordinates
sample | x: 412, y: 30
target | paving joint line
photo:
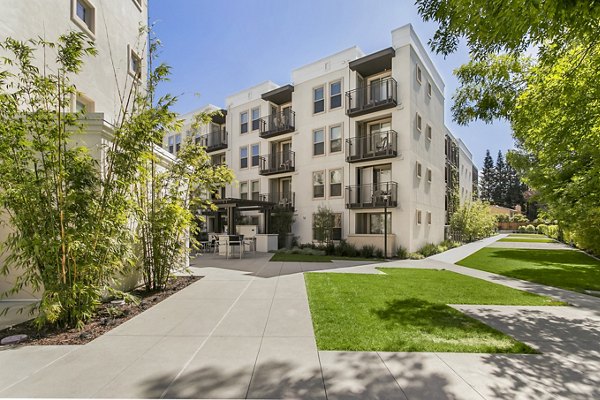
x: 459, y: 375
x: 392, y: 375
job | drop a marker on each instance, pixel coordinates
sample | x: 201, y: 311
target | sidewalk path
x: 244, y: 331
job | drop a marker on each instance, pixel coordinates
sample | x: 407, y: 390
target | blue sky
x: 217, y: 48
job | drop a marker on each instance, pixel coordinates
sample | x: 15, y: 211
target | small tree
x: 323, y: 223
x: 473, y: 221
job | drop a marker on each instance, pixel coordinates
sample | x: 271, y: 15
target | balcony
x: 375, y: 146
x: 375, y: 195
x: 284, y: 201
x: 378, y: 95
x: 277, y: 124
x: 213, y: 141
x: 277, y: 163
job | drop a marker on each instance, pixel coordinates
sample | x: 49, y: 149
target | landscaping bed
x: 108, y: 316
x: 566, y: 269
x: 407, y: 310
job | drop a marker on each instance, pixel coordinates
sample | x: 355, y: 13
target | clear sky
x: 217, y: 48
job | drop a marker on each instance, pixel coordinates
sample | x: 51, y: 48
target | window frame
x: 331, y: 95
x: 132, y: 55
x: 253, y: 120
x: 242, y: 130
x: 341, y: 183
x: 244, y: 192
x: 315, y: 173
x: 429, y: 218
x: 429, y: 89
x: 418, y: 217
x: 252, y: 156
x: 429, y: 175
x: 419, y: 74
x: 341, y: 139
x: 322, y: 130
x: 419, y: 169
x: 88, y: 28
x: 428, y: 133
x: 252, y: 182
x: 242, y: 158
x: 171, y: 144
x: 314, y: 100
x: 418, y: 122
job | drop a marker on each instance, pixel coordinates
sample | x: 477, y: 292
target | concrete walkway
x: 244, y: 331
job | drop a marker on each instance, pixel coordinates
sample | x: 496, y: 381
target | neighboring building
x: 465, y: 173
x: 106, y: 79
x: 353, y: 132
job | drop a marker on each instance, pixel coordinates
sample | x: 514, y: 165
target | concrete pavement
x: 244, y: 331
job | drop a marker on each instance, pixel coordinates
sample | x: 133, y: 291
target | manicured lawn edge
x: 285, y: 257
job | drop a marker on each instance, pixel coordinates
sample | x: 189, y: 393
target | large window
x: 244, y: 122
x: 335, y: 228
x: 335, y: 139
x: 255, y: 118
x: 255, y: 153
x: 372, y: 223
x: 335, y: 182
x: 318, y: 142
x: 319, y: 185
x: 335, y: 95
x: 255, y: 190
x: 171, y: 140
x: 319, y: 99
x: 135, y: 64
x: 177, y: 143
x: 244, y: 157
x: 243, y: 190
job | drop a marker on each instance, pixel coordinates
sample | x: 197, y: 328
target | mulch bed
x: 109, y: 316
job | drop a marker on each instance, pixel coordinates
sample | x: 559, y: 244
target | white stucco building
x: 106, y: 80
x: 352, y: 132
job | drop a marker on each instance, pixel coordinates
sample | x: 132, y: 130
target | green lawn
x: 406, y: 310
x: 566, y: 269
x: 310, y: 258
x: 516, y: 239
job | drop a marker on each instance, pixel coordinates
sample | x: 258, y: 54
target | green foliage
x: 473, y: 221
x: 530, y: 229
x: 487, y: 182
x: 346, y: 249
x: 305, y: 251
x: 543, y: 229
x: 416, y: 256
x: 323, y: 223
x: 519, y: 218
x: 428, y: 250
x: 367, y: 251
x: 402, y: 253
x: 553, y: 231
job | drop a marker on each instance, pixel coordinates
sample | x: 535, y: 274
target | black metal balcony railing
x: 276, y: 163
x: 282, y: 200
x: 375, y: 195
x: 378, y: 95
x: 372, y: 147
x: 277, y: 124
x: 213, y: 141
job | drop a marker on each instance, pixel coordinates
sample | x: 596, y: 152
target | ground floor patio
x: 245, y: 331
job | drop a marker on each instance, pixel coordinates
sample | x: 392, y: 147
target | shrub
x: 530, y: 229
x: 519, y: 218
x: 428, y: 250
x: 473, y: 220
x: 553, y: 231
x: 378, y: 253
x: 415, y: 256
x: 367, y: 251
x: 521, y: 229
x: 503, y: 218
x: 449, y: 244
x: 346, y: 249
x: 402, y: 253
x: 543, y: 229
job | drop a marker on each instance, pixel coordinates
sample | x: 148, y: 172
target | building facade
x: 105, y: 81
x: 359, y: 134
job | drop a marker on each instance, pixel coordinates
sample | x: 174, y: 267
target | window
x: 335, y: 139
x: 418, y: 217
x: 419, y: 75
x: 335, y: 95
x: 335, y: 183
x: 83, y: 14
x: 419, y: 169
x: 177, y: 143
x: 255, y: 153
x: 318, y: 142
x: 373, y: 223
x: 244, y: 157
x: 255, y: 189
x: 429, y: 175
x: 428, y: 132
x: 335, y: 228
x: 418, y: 122
x: 429, y: 89
x: 255, y: 118
x: 318, y: 99
x: 244, y: 122
x: 243, y: 190
x: 135, y: 64
x: 171, y: 141
x: 428, y: 217
x: 318, y: 185
x: 84, y: 104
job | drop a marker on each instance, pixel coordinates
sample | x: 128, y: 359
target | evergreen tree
x: 500, y: 187
x: 515, y: 188
x: 487, y: 182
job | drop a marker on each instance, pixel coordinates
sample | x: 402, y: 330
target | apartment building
x: 359, y: 134
x: 105, y: 80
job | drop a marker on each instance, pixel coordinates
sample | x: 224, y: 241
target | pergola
x: 230, y: 205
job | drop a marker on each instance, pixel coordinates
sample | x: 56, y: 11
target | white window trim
x: 418, y: 122
x: 328, y: 183
x: 248, y: 188
x: 341, y: 126
x: 135, y: 75
x: 429, y: 218
x: 429, y: 175
x: 324, y: 86
x: 428, y: 133
x: 312, y: 150
x: 247, y: 122
x: 90, y: 105
x: 418, y: 217
x: 341, y: 94
x: 247, y: 157
x: 419, y: 169
x: 429, y: 89
x: 90, y: 31
x: 418, y: 74
x: 250, y: 155
x: 252, y: 120
x: 312, y: 185
x: 138, y: 4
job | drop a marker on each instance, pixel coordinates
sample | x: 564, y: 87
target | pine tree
x: 515, y: 190
x: 487, y: 182
x: 500, y: 181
